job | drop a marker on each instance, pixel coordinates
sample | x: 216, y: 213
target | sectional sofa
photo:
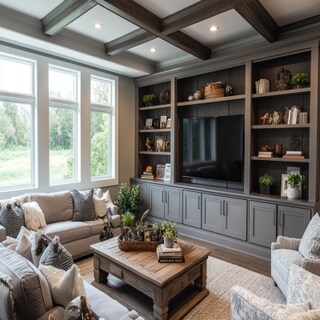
x: 58, y: 210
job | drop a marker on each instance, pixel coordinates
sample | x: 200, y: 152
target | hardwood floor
x: 256, y: 264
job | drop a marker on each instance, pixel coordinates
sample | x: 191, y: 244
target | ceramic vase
x: 168, y: 243
x: 292, y: 193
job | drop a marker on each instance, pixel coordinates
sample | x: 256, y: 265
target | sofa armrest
x: 3, y: 233
x: 312, y: 264
x: 285, y: 243
x: 113, y: 209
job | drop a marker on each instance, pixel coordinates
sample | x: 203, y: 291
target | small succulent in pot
x: 169, y: 231
x: 301, y: 79
x: 295, y: 181
x: 266, y: 181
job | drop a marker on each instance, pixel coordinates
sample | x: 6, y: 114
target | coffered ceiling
x: 178, y: 31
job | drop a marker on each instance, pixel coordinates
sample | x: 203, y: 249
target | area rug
x: 221, y: 276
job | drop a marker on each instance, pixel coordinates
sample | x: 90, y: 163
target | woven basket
x: 134, y: 245
x: 214, y: 90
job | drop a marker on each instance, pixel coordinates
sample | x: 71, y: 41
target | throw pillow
x: 289, y: 310
x: 83, y: 205
x: 7, y: 310
x: 303, y: 286
x: 33, y: 216
x: 99, y: 207
x: 24, y: 247
x: 310, y: 241
x: 56, y: 255
x: 64, y: 285
x: 12, y: 218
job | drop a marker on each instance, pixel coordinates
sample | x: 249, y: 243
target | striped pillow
x: 56, y: 255
x: 83, y: 205
x: 12, y: 218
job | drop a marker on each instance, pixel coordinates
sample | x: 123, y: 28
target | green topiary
x: 129, y: 199
x: 295, y: 179
x: 266, y: 180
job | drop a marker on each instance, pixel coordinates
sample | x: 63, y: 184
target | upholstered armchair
x: 304, y: 252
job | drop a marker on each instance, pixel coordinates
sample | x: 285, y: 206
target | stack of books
x: 293, y: 116
x: 147, y: 175
x: 293, y: 155
x: 174, y: 254
x: 265, y: 154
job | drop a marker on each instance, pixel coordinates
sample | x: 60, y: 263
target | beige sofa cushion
x: 56, y: 206
x: 31, y: 291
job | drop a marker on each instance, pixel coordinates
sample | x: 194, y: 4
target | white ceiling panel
x: 34, y: 8
x: 112, y: 25
x: 238, y: 29
x: 288, y: 11
x: 164, y: 51
x: 164, y: 8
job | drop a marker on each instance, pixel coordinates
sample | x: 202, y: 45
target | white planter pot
x: 168, y: 243
x: 293, y: 193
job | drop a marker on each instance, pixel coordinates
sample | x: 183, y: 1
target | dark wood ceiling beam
x: 195, y: 13
x: 300, y: 24
x: 143, y: 18
x: 128, y: 41
x: 64, y: 14
x: 259, y: 18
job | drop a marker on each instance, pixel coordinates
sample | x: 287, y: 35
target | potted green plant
x: 300, y: 80
x: 149, y: 99
x: 127, y: 220
x: 129, y: 199
x: 266, y: 181
x: 169, y: 231
x: 294, y: 183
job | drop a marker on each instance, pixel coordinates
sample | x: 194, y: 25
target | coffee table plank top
x: 146, y: 263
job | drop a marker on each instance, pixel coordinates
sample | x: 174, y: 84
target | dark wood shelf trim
x: 155, y: 153
x: 255, y: 158
x: 280, y: 126
x: 213, y: 100
x: 160, y: 106
x: 282, y: 93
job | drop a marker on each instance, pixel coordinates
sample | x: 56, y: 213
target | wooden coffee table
x: 156, y: 290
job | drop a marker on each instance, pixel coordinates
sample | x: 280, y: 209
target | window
x: 17, y: 104
x: 102, y: 119
x: 63, y: 124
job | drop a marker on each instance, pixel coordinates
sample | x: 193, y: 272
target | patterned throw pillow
x: 56, y: 255
x: 12, y: 218
x: 83, y: 205
x: 310, y: 242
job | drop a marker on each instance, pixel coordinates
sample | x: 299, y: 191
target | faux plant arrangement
x: 149, y: 99
x: 266, y: 181
x: 295, y: 181
x: 169, y: 231
x: 301, y: 79
x: 129, y: 199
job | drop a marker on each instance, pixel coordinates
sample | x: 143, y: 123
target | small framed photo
x: 160, y: 144
x: 284, y: 185
x: 295, y: 170
x: 167, y: 172
x: 149, y: 122
x: 147, y: 234
x: 169, y: 123
x: 160, y: 171
x: 163, y: 122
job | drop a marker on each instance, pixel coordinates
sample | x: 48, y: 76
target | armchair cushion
x: 303, y: 286
x: 310, y: 242
x: 286, y: 243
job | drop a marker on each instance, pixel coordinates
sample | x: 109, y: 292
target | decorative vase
x: 197, y: 95
x: 168, y: 242
x: 265, y: 189
x: 293, y: 193
x: 164, y: 97
x: 283, y: 81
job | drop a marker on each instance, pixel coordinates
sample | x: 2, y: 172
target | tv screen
x: 212, y: 148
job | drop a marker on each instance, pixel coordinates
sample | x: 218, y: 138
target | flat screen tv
x: 212, y: 148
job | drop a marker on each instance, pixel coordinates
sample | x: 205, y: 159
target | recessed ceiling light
x: 213, y: 28
x: 98, y: 26
x: 153, y: 50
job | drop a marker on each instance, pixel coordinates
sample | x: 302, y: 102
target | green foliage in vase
x: 168, y: 229
x: 129, y: 199
x: 266, y: 180
x: 128, y: 219
x: 302, y: 78
x: 295, y: 179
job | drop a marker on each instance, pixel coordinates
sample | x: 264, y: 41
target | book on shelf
x: 147, y: 173
x: 175, y: 248
x: 175, y: 255
x: 292, y: 157
x: 265, y: 154
x: 293, y: 153
x: 147, y: 177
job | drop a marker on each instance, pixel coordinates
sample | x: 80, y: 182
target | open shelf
x: 255, y: 158
x: 212, y: 100
x: 160, y: 106
x: 281, y: 93
x: 279, y: 126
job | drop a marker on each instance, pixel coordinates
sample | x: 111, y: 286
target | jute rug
x: 221, y: 276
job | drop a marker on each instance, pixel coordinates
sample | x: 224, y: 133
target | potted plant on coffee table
x: 169, y: 231
x: 294, y: 183
x: 266, y: 181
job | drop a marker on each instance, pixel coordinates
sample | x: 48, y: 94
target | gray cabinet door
x: 212, y: 213
x: 235, y: 222
x: 192, y: 208
x: 156, y: 201
x: 262, y: 223
x: 173, y: 204
x: 292, y: 221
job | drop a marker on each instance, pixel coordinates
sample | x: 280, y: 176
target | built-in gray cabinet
x: 192, y: 208
x: 224, y: 215
x: 143, y: 187
x: 165, y: 202
x: 292, y: 221
x: 262, y: 223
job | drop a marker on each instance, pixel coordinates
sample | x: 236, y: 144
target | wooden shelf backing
x: 280, y: 126
x: 281, y: 92
x: 212, y: 100
x: 160, y: 106
x: 256, y: 158
x: 155, y: 153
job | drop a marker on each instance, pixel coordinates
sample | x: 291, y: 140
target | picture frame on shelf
x: 160, y: 171
x: 163, y: 122
x: 149, y: 123
x: 167, y: 172
x: 169, y: 123
x: 160, y: 144
x: 284, y: 185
